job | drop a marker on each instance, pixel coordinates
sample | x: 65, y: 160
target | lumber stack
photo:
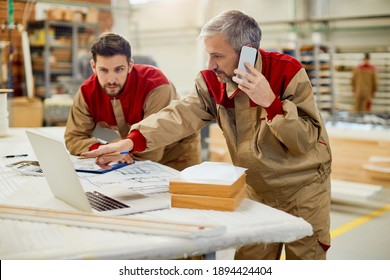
x: 208, y: 194
x: 378, y: 167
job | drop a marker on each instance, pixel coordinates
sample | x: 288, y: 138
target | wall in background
x: 167, y: 30
x: 22, y: 12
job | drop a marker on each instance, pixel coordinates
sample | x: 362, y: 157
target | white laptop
x: 65, y: 184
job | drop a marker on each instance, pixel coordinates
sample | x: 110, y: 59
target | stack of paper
x: 209, y: 185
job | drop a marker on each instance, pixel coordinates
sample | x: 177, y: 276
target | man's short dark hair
x: 110, y: 44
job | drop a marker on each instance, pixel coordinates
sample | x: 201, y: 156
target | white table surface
x: 252, y: 222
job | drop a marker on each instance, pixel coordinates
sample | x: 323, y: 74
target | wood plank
x: 351, y: 155
x: 380, y: 171
x: 208, y: 202
x: 215, y: 189
x: 123, y: 223
x: 350, y: 191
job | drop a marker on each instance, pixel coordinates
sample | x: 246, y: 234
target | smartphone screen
x: 248, y: 54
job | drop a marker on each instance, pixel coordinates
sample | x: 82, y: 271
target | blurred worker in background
x: 364, y: 85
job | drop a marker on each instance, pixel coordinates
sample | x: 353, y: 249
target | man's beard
x: 222, y: 76
x: 112, y: 89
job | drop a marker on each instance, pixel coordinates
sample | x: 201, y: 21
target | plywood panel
x: 208, y: 202
x: 180, y: 186
x: 349, y: 156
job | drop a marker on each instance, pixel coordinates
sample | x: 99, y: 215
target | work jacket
x: 146, y: 92
x: 284, y: 147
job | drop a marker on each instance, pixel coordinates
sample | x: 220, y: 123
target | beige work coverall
x: 288, y: 158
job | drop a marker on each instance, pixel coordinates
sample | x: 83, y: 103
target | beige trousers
x: 312, y: 203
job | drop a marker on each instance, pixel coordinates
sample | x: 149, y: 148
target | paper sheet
x: 214, y: 171
x: 145, y: 177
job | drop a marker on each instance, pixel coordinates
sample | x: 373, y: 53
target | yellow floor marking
x: 355, y: 223
x: 359, y: 221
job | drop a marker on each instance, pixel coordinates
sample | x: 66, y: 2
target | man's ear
x: 131, y: 64
x: 93, y: 65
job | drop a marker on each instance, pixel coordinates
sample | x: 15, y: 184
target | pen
x: 12, y: 156
x: 109, y: 154
x: 117, y: 153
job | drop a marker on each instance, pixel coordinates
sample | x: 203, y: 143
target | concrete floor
x: 360, y: 229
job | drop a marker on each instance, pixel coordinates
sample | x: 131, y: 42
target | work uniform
x: 284, y: 147
x: 364, y: 85
x: 146, y: 92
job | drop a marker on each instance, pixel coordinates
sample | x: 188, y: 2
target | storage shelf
x: 55, y: 46
x: 316, y: 59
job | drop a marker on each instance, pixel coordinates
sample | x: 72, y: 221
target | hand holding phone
x: 248, y: 54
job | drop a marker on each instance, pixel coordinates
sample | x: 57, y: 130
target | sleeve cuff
x: 94, y: 146
x: 139, y: 141
x: 276, y: 108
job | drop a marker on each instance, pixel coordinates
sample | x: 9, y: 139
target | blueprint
x: 146, y: 177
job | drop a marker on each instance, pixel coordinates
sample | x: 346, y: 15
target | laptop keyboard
x: 101, y: 202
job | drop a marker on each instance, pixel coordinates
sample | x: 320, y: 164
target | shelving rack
x: 55, y: 47
x: 316, y: 58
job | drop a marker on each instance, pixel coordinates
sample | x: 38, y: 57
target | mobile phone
x: 248, y: 54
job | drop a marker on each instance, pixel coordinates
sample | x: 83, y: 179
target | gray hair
x: 238, y: 28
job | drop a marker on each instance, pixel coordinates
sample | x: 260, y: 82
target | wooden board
x: 179, y: 186
x: 352, y: 191
x: 377, y: 172
x: 378, y: 168
x: 208, y: 202
x: 123, y: 223
x: 350, y: 156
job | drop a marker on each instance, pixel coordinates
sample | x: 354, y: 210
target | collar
x: 231, y: 89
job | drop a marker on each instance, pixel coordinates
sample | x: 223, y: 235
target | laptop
x: 65, y: 184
